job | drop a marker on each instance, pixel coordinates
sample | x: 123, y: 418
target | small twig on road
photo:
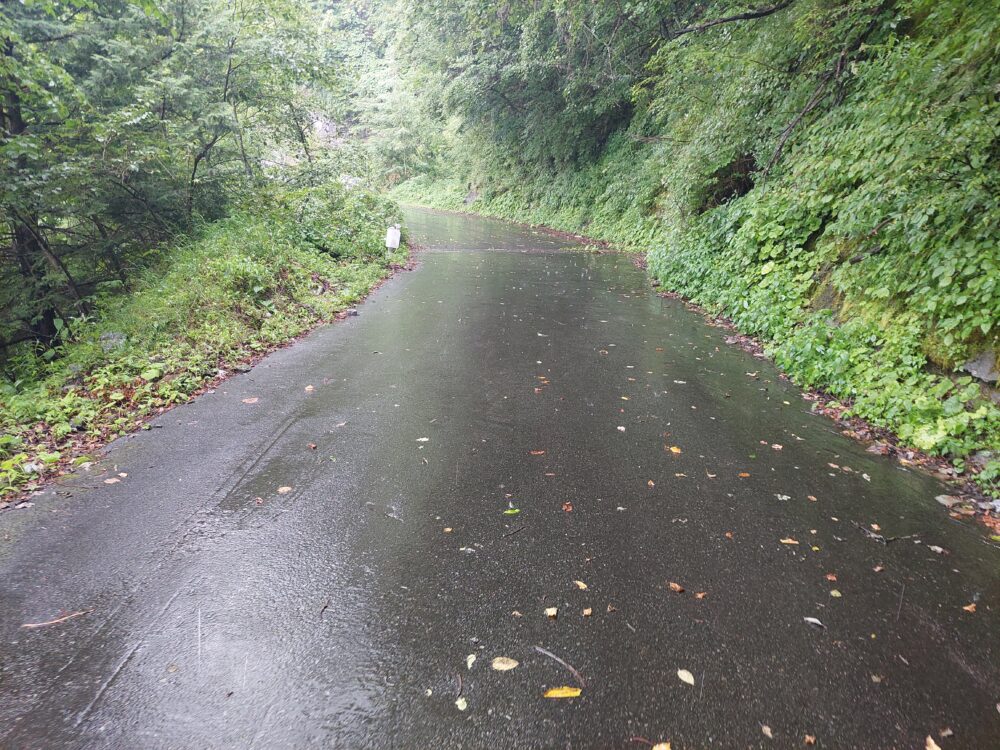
x: 570, y: 667
x: 458, y: 676
x: 325, y: 608
x: 56, y: 621
x: 900, y: 610
x: 879, y: 538
x: 518, y: 530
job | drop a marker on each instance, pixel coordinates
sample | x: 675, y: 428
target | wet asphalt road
x: 223, y: 613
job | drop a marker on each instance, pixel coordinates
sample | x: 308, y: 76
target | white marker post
x: 391, y: 239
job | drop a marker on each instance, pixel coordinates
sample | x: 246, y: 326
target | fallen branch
x: 570, y: 667
x: 32, y: 625
x: 745, y: 16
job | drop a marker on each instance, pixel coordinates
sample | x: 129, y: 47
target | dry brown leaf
x: 930, y: 744
x: 567, y: 506
x: 831, y: 576
x: 504, y: 664
x: 588, y: 612
x: 810, y: 739
x: 563, y: 692
x: 253, y: 400
x: 970, y: 607
x: 701, y: 595
x: 878, y: 568
x: 612, y: 608
x: 675, y: 450
x: 448, y: 529
x: 112, y: 480
x: 729, y: 535
x: 789, y: 540
x: 651, y: 484
x: 552, y: 612
x: 812, y: 498
x: 537, y: 453
x: 675, y: 587
x: 743, y: 474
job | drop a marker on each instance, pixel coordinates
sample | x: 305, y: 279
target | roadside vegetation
x: 824, y: 174
x: 175, y: 202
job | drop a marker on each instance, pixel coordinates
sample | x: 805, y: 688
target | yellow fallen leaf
x: 563, y: 692
x: 448, y: 529
x: 461, y: 703
x: 789, y: 540
x: 661, y: 746
x: 930, y: 744
x: 835, y: 594
x: 581, y: 585
x: 685, y: 676
x: 674, y: 449
x: 744, y: 474
x: 504, y: 664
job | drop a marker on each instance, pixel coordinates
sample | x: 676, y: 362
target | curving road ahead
x: 319, y: 566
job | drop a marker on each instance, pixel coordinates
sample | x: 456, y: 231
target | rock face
x: 983, y: 366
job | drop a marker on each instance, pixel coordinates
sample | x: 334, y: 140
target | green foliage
x: 237, y: 288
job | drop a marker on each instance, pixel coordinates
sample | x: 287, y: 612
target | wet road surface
x: 242, y: 588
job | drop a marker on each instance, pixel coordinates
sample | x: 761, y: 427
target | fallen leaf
x: 650, y: 484
x: 878, y: 568
x: 661, y: 746
x: 946, y: 732
x: 789, y: 540
x: 814, y: 622
x: 810, y: 739
x: 835, y: 594
x: 812, y: 498
x: 831, y: 576
x: 537, y: 453
x: 112, y: 480
x: 515, y: 613
x: 685, y: 676
x: 284, y: 490
x: 675, y: 450
x: 567, y: 506
x: 423, y: 439
x: 743, y: 474
x: 621, y: 429
x: 581, y: 585
x: 552, y: 612
x: 930, y: 744
x: 448, y: 529
x: 310, y: 389
x: 612, y: 608
x: 701, y: 595
x: 312, y: 446
x: 470, y: 660
x: 461, y: 703
x: 676, y: 587
x: 938, y: 550
x: 512, y: 511
x: 253, y: 400
x: 767, y: 731
x: 729, y: 535
x: 563, y: 692
x: 503, y: 664
x: 970, y: 607
x: 777, y: 447
x: 876, y: 527
x: 588, y: 612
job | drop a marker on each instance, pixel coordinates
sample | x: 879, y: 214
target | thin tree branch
x: 745, y: 16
